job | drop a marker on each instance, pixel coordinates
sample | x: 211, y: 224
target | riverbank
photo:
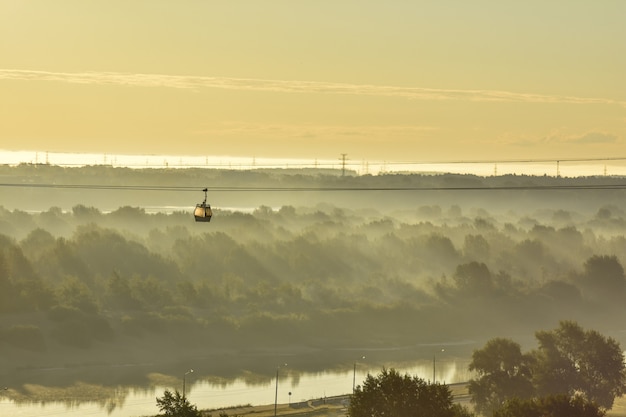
x: 338, y: 407
x: 323, y: 407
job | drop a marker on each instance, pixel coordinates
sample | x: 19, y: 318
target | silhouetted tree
x: 84, y: 213
x: 604, y: 277
x: 503, y: 373
x: 391, y: 394
x: 474, y: 278
x: 175, y: 405
x: 476, y: 248
x: 440, y: 249
x: 572, y: 361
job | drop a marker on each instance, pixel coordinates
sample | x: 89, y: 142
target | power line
x: 619, y: 186
x: 505, y: 161
x: 344, y: 162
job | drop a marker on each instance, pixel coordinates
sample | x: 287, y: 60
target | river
x: 210, y: 394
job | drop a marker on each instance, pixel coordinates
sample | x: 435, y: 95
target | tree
x: 570, y: 361
x: 7, y: 291
x: 474, y: 279
x: 604, y: 278
x: 175, y: 405
x: 503, y: 373
x: 391, y: 394
x: 74, y: 292
x: 476, y: 248
x: 605, y: 270
x: 553, y: 406
x: 573, y: 361
x: 119, y: 294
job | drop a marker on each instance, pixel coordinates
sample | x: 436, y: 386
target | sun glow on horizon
x: 614, y: 166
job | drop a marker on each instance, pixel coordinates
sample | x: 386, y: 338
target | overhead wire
x: 295, y: 163
x: 505, y: 161
x: 604, y: 186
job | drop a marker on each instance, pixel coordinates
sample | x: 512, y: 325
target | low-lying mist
x: 322, y: 280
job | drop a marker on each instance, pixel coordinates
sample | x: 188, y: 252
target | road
x: 322, y: 407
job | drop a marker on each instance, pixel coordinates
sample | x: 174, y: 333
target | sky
x: 396, y: 80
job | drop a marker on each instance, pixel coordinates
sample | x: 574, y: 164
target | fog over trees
x: 96, y: 276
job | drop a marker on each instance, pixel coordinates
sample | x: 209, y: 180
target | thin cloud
x: 287, y: 86
x: 595, y: 138
x: 311, y: 131
x: 562, y: 138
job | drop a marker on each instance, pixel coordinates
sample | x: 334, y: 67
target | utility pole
x: 276, y: 394
x: 343, y: 164
x: 184, y: 376
x: 354, y: 376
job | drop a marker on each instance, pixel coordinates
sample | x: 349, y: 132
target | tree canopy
x: 504, y: 372
x: 569, y: 361
x: 175, y: 405
x: 109, y: 271
x: 552, y: 406
x: 392, y: 394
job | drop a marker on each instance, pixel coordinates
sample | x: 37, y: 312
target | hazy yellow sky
x: 395, y: 79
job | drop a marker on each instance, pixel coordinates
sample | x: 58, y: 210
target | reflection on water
x: 213, y: 393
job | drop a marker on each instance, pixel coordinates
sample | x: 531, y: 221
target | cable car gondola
x: 203, y: 212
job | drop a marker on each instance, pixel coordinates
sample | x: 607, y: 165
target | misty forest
x: 104, y: 266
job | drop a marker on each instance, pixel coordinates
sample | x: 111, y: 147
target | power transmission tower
x: 343, y: 164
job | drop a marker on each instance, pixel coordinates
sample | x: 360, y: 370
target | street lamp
x: 354, y: 376
x: 434, y: 360
x: 186, y: 373
x: 276, y: 395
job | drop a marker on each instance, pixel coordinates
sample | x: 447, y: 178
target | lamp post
x: 184, y: 376
x: 434, y: 360
x: 276, y: 395
x: 354, y: 376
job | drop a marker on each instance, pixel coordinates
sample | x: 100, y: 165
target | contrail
x: 292, y: 86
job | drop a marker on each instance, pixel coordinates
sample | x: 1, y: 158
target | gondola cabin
x: 203, y: 211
